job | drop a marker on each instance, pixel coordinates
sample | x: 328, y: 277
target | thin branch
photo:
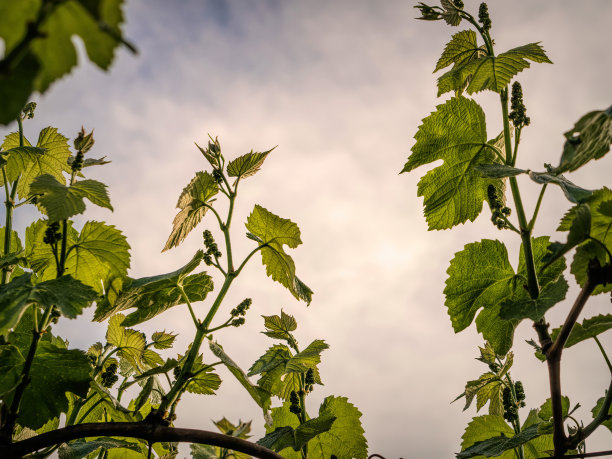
x: 603, y: 352
x: 553, y: 359
x: 153, y: 433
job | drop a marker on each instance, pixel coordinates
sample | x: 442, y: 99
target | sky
x: 340, y: 88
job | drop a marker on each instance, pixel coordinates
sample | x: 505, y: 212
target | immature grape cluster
x: 109, y: 376
x: 218, y: 176
x: 309, y: 380
x: 52, y: 234
x: 483, y: 16
x: 518, y: 113
x: 211, y: 248
x: 499, y: 212
x: 510, y: 407
x: 239, y: 312
x: 295, y: 407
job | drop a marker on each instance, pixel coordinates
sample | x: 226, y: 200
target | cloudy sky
x: 341, y: 88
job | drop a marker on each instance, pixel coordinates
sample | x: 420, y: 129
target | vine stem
x: 149, y: 432
x: 10, y: 204
x: 553, y: 360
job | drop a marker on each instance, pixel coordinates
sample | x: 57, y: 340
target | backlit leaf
x: 482, y: 428
x: 205, y: 381
x: 274, y: 232
x: 53, y: 161
x: 279, y: 327
x: 192, y: 203
x: 78, y: 449
x: 54, y: 372
x: 491, y: 72
x: 579, y: 230
x: 590, y: 138
x: 497, y: 446
x: 597, y: 408
x: 61, y: 202
x: 163, y: 340
x: 589, y: 328
x: 57, y: 52
x: 601, y: 230
x: 246, y: 165
x: 461, y: 49
x: 453, y: 192
x: 69, y: 295
x: 153, y: 295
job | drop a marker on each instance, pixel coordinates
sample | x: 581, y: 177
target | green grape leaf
x: 545, y: 414
x: 487, y: 354
x: 308, y: 358
x: 539, y: 446
x: 589, y: 328
x: 39, y: 254
x: 11, y: 363
x: 239, y: 431
x: 497, y: 171
x: 451, y: 14
x: 491, y: 72
x: 597, y: 408
x: 492, y: 394
x: 260, y: 395
x: 14, y: 18
x: 53, y: 161
x: 277, y: 355
x: 247, y: 165
x: 461, y: 49
x: 601, y: 230
x: 483, y: 389
x: 590, y: 138
x: 279, y: 327
x: 346, y: 437
x: 479, y: 276
x: 97, y: 26
x: 163, y: 340
x: 78, y: 449
x: 61, y: 202
x: 55, y: 371
x: 153, y: 295
x: 279, y: 439
x: 69, y: 295
x: 131, y: 343
x: 151, y: 358
x: 572, y: 192
x: 18, y: 158
x: 482, y: 428
x: 579, y: 230
x: 193, y: 204
x: 526, y: 308
x: 100, y: 252
x: 204, y: 451
x: 274, y: 232
x: 205, y: 380
x: 496, y: 446
x: 453, y: 192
